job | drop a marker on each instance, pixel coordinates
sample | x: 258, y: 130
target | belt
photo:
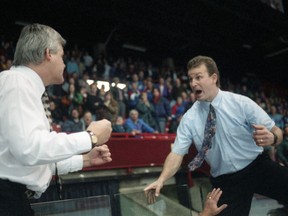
x: 6, y: 183
x: 29, y: 193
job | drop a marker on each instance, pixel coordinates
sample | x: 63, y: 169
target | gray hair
x: 133, y: 111
x: 33, y: 42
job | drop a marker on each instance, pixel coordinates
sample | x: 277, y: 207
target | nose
x: 193, y: 83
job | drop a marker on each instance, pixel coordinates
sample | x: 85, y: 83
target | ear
x: 215, y: 77
x: 48, y: 55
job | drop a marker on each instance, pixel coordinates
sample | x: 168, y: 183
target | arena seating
x: 145, y: 150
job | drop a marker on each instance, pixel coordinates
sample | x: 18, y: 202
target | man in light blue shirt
x: 136, y: 125
x: 243, y: 128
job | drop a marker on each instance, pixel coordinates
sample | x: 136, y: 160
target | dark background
x: 245, y: 37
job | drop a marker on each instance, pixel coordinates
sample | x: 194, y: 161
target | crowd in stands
x: 154, y: 99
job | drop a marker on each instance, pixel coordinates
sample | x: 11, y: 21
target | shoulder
x: 191, y: 112
x: 141, y: 121
x: 128, y: 120
x: 234, y: 98
x: 21, y: 79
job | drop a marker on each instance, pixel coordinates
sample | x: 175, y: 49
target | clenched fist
x: 102, y: 129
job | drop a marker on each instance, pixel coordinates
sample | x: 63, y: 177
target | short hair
x: 208, y: 62
x: 33, y: 42
x: 133, y: 111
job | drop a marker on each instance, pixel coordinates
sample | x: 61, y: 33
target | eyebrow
x: 198, y: 73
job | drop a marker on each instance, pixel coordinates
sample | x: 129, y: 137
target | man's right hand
x: 102, y: 129
x: 152, y: 191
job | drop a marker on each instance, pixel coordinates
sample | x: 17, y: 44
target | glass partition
x: 96, y: 205
x: 134, y: 202
x: 128, y: 202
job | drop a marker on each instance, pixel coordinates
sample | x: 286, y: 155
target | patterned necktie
x: 210, y: 129
x: 45, y: 101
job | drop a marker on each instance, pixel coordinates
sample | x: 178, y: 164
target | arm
x: 129, y: 125
x: 263, y: 137
x: 171, y: 166
x: 146, y: 127
x: 97, y: 156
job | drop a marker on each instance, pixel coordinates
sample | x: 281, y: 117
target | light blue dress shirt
x: 233, y: 147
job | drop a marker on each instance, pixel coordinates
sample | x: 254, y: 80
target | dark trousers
x: 13, y: 199
x: 263, y: 176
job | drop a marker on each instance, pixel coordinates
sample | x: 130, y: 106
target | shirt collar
x: 33, y: 75
x: 217, y: 100
x: 215, y: 103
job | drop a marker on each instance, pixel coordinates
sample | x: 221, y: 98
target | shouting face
x: 202, y: 83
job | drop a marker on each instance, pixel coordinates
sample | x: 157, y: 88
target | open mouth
x: 197, y: 92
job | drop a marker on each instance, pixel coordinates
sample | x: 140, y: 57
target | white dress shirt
x: 28, y: 150
x: 233, y: 147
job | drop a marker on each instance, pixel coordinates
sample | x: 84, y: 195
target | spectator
x: 3, y: 65
x: 75, y: 97
x: 119, y: 96
x: 190, y: 101
x: 146, y: 110
x: 93, y: 102
x: 110, y: 107
x: 276, y: 116
x: 56, y: 113
x: 137, y: 83
x: 282, y: 149
x: 136, y: 125
x: 81, y: 67
x: 88, y: 62
x: 134, y: 95
x: 149, y: 88
x: 101, y: 92
x: 162, y: 110
x: 72, y: 67
x: 177, y: 89
x: 177, y: 112
x: 278, y: 119
x: 119, y: 126
x: 73, y: 124
x: 86, y: 120
x: 163, y: 89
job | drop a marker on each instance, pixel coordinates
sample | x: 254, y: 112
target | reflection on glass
x: 129, y: 202
x: 133, y: 202
x: 97, y: 205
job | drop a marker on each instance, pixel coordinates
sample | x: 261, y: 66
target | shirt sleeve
x: 184, y: 137
x: 28, y: 137
x: 129, y: 125
x: 256, y: 115
x: 72, y: 164
x: 146, y: 127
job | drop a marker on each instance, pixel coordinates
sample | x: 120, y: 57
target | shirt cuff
x: 72, y: 164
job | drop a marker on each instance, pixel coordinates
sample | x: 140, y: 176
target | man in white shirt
x: 30, y: 154
x: 234, y: 153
